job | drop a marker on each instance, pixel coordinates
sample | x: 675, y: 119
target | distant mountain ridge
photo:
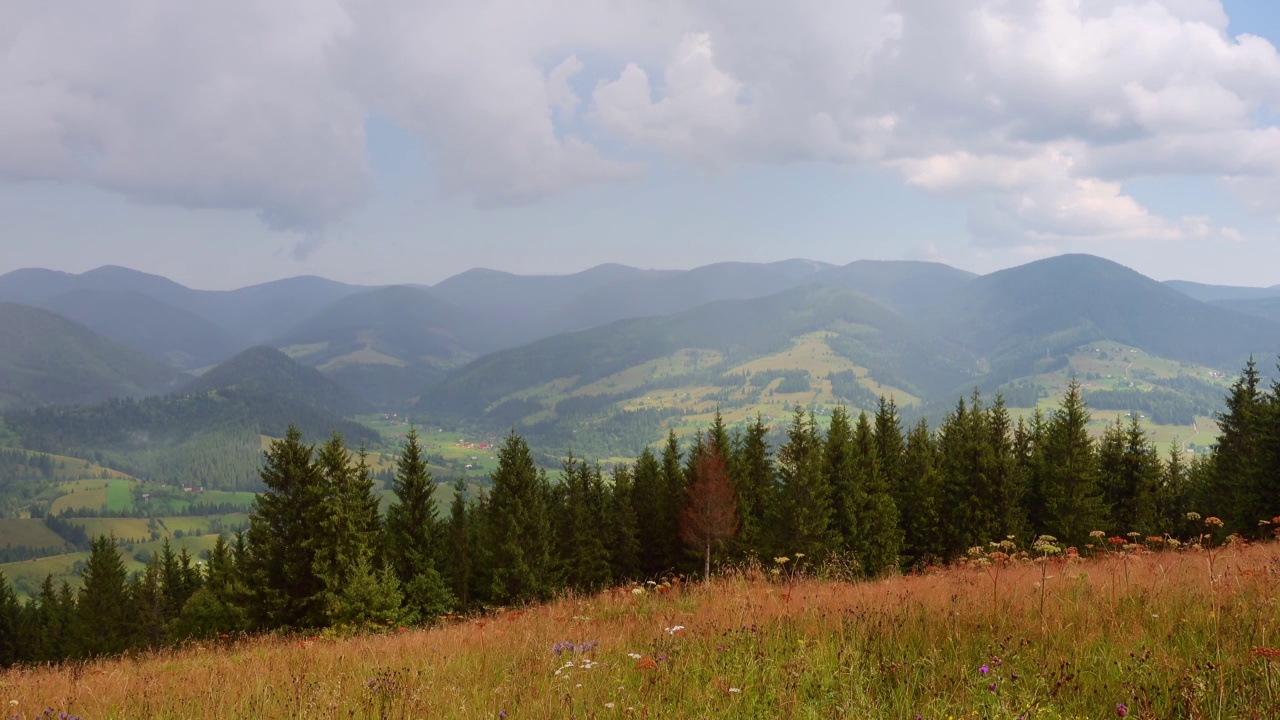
x: 390, y: 345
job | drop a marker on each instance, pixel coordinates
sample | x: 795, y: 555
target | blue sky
x: 401, y: 142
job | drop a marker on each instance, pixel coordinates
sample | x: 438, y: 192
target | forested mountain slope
x: 46, y: 359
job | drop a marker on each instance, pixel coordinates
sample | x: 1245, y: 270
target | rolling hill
x: 171, y: 335
x: 210, y: 432
x: 810, y: 343
x: 386, y: 344
x: 46, y: 359
x: 652, y: 293
x: 1048, y: 307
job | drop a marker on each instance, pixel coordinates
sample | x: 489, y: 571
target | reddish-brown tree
x: 710, y: 512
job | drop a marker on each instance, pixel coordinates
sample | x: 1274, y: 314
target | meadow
x: 1131, y: 633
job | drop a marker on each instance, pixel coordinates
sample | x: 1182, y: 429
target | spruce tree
x: 1130, y: 474
x: 889, y: 446
x: 623, y: 544
x: 923, y: 498
x: 414, y: 535
x: 805, y: 495
x: 673, y: 482
x: 518, y: 531
x: 348, y: 540
x: 846, y: 490
x: 1073, y: 503
x: 11, y: 649
x: 279, y: 552
x: 649, y: 499
x: 458, y: 548
x: 878, y: 537
x: 755, y: 480
x: 1235, y: 488
x: 104, y: 619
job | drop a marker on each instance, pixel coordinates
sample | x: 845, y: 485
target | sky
x: 395, y: 141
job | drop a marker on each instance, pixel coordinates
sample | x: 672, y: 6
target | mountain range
x: 586, y: 350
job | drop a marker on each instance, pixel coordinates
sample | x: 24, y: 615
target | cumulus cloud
x: 223, y: 104
x: 1035, y: 112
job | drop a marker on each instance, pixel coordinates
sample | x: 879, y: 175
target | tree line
x: 865, y: 497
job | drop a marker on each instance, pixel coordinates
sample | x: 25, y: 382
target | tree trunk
x: 706, y: 573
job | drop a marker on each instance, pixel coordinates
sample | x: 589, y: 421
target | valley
x: 174, y: 389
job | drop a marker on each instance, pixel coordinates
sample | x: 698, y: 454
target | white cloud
x: 1037, y: 112
x: 205, y: 105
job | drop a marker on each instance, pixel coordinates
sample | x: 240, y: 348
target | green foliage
x: 517, y: 528
x: 49, y: 360
x: 805, y: 504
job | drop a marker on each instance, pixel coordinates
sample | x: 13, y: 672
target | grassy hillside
x: 1129, y: 634
x: 631, y: 378
x: 46, y: 359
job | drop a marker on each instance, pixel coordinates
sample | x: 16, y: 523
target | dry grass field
x: 1174, y: 634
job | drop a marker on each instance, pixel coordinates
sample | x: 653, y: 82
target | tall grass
x: 1163, y: 635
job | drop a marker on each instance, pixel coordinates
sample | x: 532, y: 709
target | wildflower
x: 662, y: 656
x: 1097, y: 534
x: 1193, y: 516
x: 634, y: 656
x: 799, y: 555
x: 637, y: 591
x: 1213, y: 522
x: 991, y: 687
x: 609, y: 705
x: 783, y: 560
x: 735, y: 690
x: 557, y: 648
x: 1122, y: 710
x: 984, y: 670
x: 674, y: 629
x: 645, y: 663
x: 502, y: 715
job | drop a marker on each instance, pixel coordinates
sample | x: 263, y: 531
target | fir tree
x: 922, y: 498
x: 624, y: 544
x: 104, y: 619
x: 517, y: 528
x: 846, y: 490
x: 348, y: 541
x: 414, y: 535
x: 877, y: 540
x: 805, y: 502
x: 458, y: 551
x: 279, y: 550
x: 756, y: 484
x: 889, y: 446
x: 649, y: 500
x: 11, y: 649
x: 1073, y: 504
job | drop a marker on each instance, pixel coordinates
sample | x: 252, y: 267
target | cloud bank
x: 1034, y: 112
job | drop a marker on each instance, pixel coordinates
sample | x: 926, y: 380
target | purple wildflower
x: 1122, y: 710
x: 663, y: 656
x: 984, y: 670
x: 991, y: 687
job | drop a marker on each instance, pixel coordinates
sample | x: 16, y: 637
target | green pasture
x: 16, y: 532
